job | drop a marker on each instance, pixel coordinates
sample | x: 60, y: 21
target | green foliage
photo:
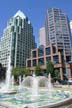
x: 50, y: 68
x: 27, y: 71
x: 37, y: 70
x: 20, y: 71
x: 16, y: 72
x: 56, y: 74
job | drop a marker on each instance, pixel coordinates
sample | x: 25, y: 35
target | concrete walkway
x: 70, y: 106
x: 63, y: 87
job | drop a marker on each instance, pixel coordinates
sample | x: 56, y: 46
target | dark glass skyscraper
x: 58, y: 32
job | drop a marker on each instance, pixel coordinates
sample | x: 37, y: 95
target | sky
x: 35, y: 10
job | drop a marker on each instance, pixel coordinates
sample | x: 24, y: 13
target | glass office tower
x: 42, y: 37
x: 58, y: 32
x: 17, y: 40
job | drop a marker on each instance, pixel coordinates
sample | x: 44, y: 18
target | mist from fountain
x: 49, y: 85
x: 19, y: 80
x: 23, y: 78
x: 20, y: 83
x: 8, y: 86
x: 34, y: 86
x: 8, y: 75
x: 12, y: 82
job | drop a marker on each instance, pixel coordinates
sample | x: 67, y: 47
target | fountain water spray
x: 20, y: 83
x: 35, y: 86
x: 12, y: 82
x: 8, y: 74
x: 49, y: 85
x: 23, y: 78
x: 9, y: 82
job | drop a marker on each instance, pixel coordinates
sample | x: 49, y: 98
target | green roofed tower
x: 17, y: 40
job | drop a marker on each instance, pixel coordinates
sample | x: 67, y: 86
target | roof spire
x: 20, y: 13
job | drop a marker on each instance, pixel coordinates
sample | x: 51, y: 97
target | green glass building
x: 17, y: 41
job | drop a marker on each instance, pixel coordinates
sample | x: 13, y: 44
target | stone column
x: 69, y: 73
x: 61, y: 74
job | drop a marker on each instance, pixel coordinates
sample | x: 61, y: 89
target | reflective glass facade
x: 34, y: 62
x: 34, y: 54
x: 48, y: 51
x: 50, y: 54
x: 48, y: 59
x: 58, y: 31
x: 55, y: 59
x: 17, y: 41
x: 41, y: 61
x: 41, y: 51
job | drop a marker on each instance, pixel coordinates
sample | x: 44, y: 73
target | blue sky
x: 34, y: 9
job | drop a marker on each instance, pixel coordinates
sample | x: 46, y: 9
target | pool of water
x: 25, y: 98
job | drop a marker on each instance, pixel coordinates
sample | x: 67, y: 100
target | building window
x: 56, y: 59
x: 20, y: 22
x: 48, y: 59
x: 16, y: 21
x: 41, y: 51
x: 12, y: 29
x: 17, y: 28
x: 41, y: 61
x: 48, y: 51
x: 68, y: 58
x: 29, y: 63
x: 54, y: 50
x: 34, y: 63
x: 34, y: 54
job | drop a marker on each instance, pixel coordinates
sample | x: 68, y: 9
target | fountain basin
x: 10, y: 92
x: 25, y: 99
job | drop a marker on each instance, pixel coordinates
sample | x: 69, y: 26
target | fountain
x: 49, y: 85
x: 23, y: 78
x: 9, y: 81
x: 12, y: 82
x: 34, y: 86
x: 34, y: 96
x: 8, y: 75
x: 19, y: 80
x: 20, y: 83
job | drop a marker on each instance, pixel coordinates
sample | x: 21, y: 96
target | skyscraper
x: 42, y: 37
x: 71, y: 29
x: 0, y: 52
x: 58, y: 32
x: 71, y: 25
x: 17, y: 40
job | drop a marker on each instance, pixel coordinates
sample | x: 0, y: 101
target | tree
x: 56, y: 74
x: 50, y: 68
x: 20, y: 71
x: 37, y: 70
x: 27, y: 71
x: 16, y: 72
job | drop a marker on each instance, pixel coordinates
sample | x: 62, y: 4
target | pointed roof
x: 20, y: 13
